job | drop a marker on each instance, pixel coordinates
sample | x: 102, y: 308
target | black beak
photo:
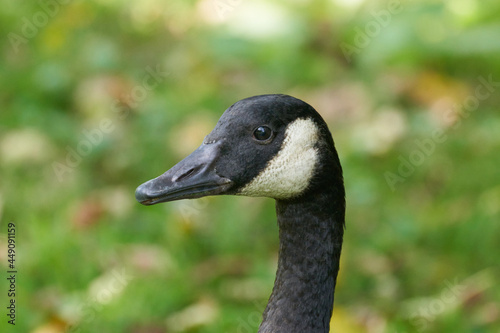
x: 193, y: 177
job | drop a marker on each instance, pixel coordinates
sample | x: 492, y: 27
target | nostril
x: 186, y: 174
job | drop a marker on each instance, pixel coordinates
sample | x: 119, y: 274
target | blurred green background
x: 99, y: 96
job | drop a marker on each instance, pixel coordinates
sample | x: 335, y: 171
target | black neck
x: 310, y: 232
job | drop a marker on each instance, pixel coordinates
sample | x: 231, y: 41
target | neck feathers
x: 310, y: 234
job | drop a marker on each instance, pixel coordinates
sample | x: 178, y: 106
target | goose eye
x: 262, y: 133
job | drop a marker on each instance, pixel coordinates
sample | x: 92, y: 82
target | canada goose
x: 275, y: 146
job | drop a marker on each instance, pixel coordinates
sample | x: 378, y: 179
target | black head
x: 269, y: 145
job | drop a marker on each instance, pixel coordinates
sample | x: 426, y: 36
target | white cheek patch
x: 289, y: 172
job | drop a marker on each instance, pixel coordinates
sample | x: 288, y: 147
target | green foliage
x: 97, y: 97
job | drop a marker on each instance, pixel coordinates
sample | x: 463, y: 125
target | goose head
x: 275, y: 146
x: 270, y: 145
